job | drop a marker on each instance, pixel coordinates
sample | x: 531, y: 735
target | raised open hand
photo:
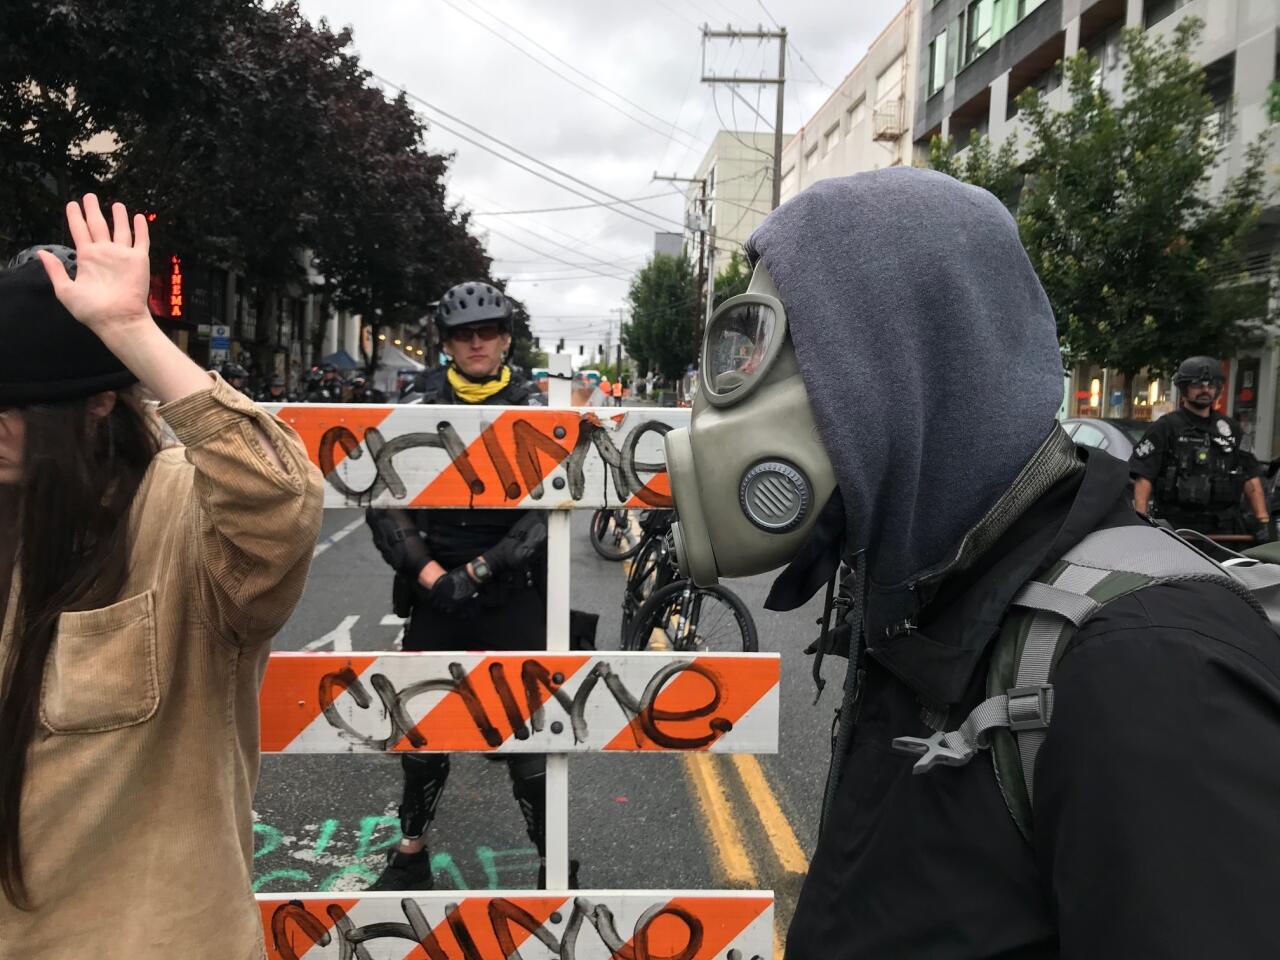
x: 113, y: 274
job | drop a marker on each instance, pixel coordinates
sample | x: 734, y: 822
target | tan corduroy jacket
x: 137, y: 803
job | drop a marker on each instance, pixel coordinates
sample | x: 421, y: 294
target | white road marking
x: 339, y: 636
x: 329, y: 541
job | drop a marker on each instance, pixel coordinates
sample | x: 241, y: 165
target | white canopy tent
x: 394, y: 363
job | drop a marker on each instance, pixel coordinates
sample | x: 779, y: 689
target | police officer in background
x: 361, y: 392
x: 1190, y: 469
x: 328, y: 389
x: 467, y: 579
x: 237, y: 376
x: 276, y: 391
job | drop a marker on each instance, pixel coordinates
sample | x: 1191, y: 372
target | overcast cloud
x: 649, y: 51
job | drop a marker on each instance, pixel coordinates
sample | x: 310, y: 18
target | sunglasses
x: 486, y: 332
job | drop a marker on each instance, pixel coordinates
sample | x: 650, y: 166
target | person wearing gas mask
x: 466, y: 579
x: 1016, y: 760
x: 1189, y: 468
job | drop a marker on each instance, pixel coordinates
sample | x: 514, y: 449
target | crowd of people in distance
x: 323, y: 383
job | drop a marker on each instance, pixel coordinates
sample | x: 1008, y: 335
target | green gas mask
x: 750, y: 474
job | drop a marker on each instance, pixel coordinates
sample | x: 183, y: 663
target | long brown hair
x: 68, y: 522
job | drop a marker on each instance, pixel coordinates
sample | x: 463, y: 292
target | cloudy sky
x: 606, y: 92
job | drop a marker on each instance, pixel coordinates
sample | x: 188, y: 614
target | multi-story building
x: 738, y: 173
x: 976, y: 56
x: 866, y: 123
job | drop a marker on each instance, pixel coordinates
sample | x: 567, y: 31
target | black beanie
x: 46, y: 354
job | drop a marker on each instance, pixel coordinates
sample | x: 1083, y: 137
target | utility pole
x: 760, y: 33
x: 620, y: 311
x: 703, y: 219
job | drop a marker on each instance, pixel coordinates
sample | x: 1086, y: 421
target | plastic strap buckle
x: 1031, y: 707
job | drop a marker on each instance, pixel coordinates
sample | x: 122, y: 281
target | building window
x: 1046, y: 83
x: 978, y: 32
x: 811, y: 158
x: 858, y: 112
x: 831, y: 138
x: 1026, y: 6
x: 1106, y: 50
x: 1153, y: 11
x: 1220, y: 79
x: 937, y: 63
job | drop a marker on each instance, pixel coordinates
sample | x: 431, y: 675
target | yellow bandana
x: 470, y: 392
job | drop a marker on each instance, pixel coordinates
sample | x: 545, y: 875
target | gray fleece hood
x: 928, y: 351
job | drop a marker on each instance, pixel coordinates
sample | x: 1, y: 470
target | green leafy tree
x: 993, y: 169
x: 1141, y: 261
x: 255, y: 135
x: 733, y: 279
x: 664, y: 302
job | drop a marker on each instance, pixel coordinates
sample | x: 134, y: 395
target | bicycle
x: 651, y: 568
x: 662, y: 611
x: 612, y: 534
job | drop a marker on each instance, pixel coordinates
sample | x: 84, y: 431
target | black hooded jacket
x: 930, y: 358
x: 1157, y: 800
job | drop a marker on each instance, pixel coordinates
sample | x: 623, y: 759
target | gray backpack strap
x: 1045, y: 613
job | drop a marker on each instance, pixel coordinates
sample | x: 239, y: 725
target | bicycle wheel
x: 646, y: 573
x: 612, y: 534
x: 693, y: 619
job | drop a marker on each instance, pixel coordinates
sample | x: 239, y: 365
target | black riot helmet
x: 1198, y: 370
x: 234, y: 371
x: 472, y: 302
x: 65, y: 254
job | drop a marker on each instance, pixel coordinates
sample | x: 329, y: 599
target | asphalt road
x: 635, y: 821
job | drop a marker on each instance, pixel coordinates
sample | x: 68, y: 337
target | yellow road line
x: 776, y: 826
x: 726, y: 838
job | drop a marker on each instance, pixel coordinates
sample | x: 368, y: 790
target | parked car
x: 1115, y: 435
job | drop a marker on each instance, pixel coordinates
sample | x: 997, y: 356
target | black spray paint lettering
x: 503, y: 914
x: 534, y: 676
x: 524, y: 476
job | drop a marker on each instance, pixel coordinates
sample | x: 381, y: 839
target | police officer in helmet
x: 276, y: 391
x: 467, y: 579
x: 1189, y: 468
x: 328, y: 389
x: 362, y: 392
x: 237, y: 376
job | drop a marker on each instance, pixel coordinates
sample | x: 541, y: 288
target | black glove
x: 520, y: 546
x: 1266, y: 531
x: 453, y: 592
x: 395, y: 534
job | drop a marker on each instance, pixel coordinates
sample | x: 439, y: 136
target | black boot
x: 406, y: 871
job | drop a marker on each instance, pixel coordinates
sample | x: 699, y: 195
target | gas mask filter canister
x: 750, y: 474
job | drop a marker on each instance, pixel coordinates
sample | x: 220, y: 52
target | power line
x: 576, y: 248
x: 516, y: 163
x: 520, y: 153
x: 549, y: 256
x: 576, y: 206
x: 671, y: 127
x: 794, y: 49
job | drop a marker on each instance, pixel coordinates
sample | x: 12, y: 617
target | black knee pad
x: 529, y: 784
x: 424, y: 779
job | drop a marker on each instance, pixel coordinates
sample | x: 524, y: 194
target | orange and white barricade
x: 555, y: 703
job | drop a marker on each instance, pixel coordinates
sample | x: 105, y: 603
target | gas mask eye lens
x: 738, y: 344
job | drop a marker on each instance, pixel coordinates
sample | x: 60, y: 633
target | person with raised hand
x: 140, y: 587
